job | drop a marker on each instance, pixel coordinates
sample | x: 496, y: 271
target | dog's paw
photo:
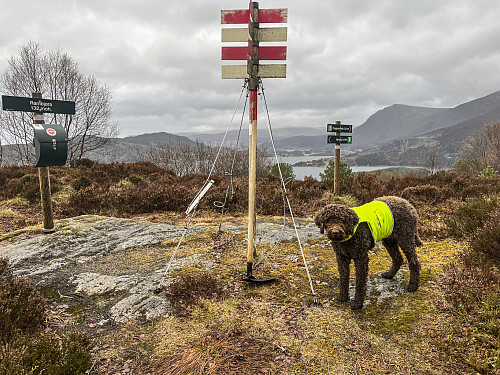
x: 387, y: 275
x: 412, y: 287
x: 343, y: 298
x: 356, y: 305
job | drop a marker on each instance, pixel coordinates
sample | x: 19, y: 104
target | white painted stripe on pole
x: 337, y: 147
x: 38, y: 117
x: 266, y: 34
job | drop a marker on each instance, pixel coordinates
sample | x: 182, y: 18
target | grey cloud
x: 346, y: 59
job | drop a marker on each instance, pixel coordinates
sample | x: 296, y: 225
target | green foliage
x: 345, y: 171
x: 472, y: 215
x: 286, y: 170
x: 489, y: 172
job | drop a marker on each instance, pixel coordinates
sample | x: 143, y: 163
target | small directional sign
x: 17, y: 103
x: 339, y: 139
x: 339, y: 128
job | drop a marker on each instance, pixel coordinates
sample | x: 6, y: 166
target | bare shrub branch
x: 56, y: 75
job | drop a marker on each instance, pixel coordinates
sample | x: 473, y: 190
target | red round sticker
x: 51, y: 132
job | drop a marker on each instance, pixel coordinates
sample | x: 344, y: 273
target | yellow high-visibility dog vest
x: 379, y: 218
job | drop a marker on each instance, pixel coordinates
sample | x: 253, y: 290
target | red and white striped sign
x: 254, y: 52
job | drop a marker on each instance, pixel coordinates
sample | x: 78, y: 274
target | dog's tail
x: 418, y: 241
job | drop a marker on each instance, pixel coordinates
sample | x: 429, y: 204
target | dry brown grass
x: 222, y: 353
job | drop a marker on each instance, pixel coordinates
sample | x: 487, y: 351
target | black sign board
x: 341, y: 128
x: 339, y: 139
x: 17, y: 103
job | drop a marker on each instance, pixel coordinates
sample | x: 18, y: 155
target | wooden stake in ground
x: 337, y: 139
x: 43, y: 173
x: 253, y: 85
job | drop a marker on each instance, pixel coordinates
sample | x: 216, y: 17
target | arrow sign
x: 265, y: 34
x: 265, y: 53
x: 241, y: 16
x: 265, y: 71
x: 339, y: 128
x: 17, y: 103
x: 339, y: 139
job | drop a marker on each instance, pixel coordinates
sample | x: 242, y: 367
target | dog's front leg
x: 343, y: 267
x: 361, y: 267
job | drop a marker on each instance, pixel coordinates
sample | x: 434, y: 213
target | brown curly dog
x: 351, y: 238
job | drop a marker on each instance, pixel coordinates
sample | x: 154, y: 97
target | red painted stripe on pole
x: 253, y: 106
x: 244, y: 53
x: 242, y: 16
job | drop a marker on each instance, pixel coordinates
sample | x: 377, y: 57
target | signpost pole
x: 253, y: 71
x: 336, y: 175
x: 253, y: 84
x: 43, y: 173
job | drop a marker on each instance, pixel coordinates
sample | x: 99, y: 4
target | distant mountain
x: 156, y: 139
x: 403, y: 121
x: 301, y: 142
x: 447, y: 141
x: 262, y: 135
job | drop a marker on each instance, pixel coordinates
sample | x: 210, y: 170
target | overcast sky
x: 346, y: 58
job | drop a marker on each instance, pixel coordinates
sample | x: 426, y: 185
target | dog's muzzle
x: 336, y: 234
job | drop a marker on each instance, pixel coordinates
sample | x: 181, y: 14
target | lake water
x: 301, y: 172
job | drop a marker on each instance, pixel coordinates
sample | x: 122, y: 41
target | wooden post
x: 253, y: 85
x: 43, y: 174
x: 336, y: 175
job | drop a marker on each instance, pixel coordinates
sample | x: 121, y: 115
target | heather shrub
x: 269, y: 199
x: 364, y: 186
x: 472, y: 296
x: 28, y: 187
x: 472, y: 215
x: 65, y: 355
x: 429, y: 194
x: 188, y: 289
x: 22, y: 307
x: 25, y: 347
x: 82, y: 163
x: 45, y: 353
x: 486, y: 239
x: 308, y: 189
